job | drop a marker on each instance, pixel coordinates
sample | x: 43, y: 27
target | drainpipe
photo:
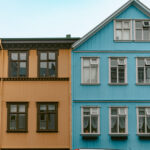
x: 1, y: 94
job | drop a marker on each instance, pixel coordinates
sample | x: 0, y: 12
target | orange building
x: 35, y: 93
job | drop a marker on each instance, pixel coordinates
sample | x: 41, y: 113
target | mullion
x: 46, y: 116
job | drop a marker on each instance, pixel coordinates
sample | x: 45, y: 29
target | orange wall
x: 37, y: 91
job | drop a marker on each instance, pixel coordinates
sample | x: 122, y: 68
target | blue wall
x: 133, y: 142
x: 83, y: 95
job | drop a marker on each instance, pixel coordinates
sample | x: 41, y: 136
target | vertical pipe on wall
x: 70, y: 99
x: 1, y: 94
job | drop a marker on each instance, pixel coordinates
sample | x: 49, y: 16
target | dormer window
x: 122, y: 30
x: 142, y: 30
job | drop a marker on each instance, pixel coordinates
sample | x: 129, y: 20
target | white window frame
x: 125, y: 59
x: 144, y: 71
x: 137, y: 114
x: 140, y: 29
x: 123, y: 20
x: 126, y: 123
x: 88, y: 134
x: 98, y: 76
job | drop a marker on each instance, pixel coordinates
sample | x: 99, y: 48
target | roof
x: 37, y: 43
x: 136, y: 3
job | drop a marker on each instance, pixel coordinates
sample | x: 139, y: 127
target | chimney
x: 68, y: 36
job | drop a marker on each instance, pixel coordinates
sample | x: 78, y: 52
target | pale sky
x: 54, y: 18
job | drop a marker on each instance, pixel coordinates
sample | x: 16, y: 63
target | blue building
x: 111, y: 82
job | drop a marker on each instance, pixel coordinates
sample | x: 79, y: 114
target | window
x: 17, y: 115
x: 18, y: 64
x: 118, y: 72
x: 122, y: 30
x: 90, y: 70
x: 47, y: 116
x: 48, y: 64
x: 142, y: 30
x: 90, y: 120
x: 143, y: 70
x: 143, y: 120
x: 118, y: 120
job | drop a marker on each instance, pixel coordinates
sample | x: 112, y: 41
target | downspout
x: 1, y: 94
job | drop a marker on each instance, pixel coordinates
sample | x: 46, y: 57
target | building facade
x: 35, y: 94
x: 111, y: 82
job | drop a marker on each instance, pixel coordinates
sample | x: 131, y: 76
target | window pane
x: 146, y: 34
x: 86, y: 62
x: 23, y: 69
x: 43, y: 56
x: 114, y: 62
x: 94, y: 124
x: 141, y: 124
x: 52, y: 69
x: 51, y: 107
x: 148, y: 124
x: 86, y: 75
x: 42, y: 108
x: 51, y: 56
x: 113, y: 75
x: 86, y: 124
x: 119, y: 35
x: 139, y: 24
x: 23, y: 56
x: 140, y: 75
x: 94, y: 111
x: 21, y: 121
x: 141, y: 62
x: 118, y: 25
x: 114, y: 111
x: 94, y: 75
x: 138, y: 34
x: 114, y: 125
x: 42, y: 121
x: 126, y: 35
x: 86, y: 111
x: 126, y: 24
x: 12, y: 122
x: 122, y: 124
x: 14, y: 56
x: 51, y: 121
x: 147, y: 69
x: 43, y: 69
x: 121, y: 70
x: 13, y: 108
x: 13, y: 69
x: 22, y: 108
x: 141, y: 111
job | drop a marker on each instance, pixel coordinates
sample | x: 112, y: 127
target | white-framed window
x: 118, y: 121
x: 90, y: 120
x: 122, y: 30
x: 143, y: 69
x: 142, y: 30
x: 90, y: 70
x: 143, y: 120
x: 117, y: 70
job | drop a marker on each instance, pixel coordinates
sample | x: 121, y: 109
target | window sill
x: 120, y: 41
x: 118, y: 134
x: 46, y: 131
x: 118, y: 83
x: 143, y: 134
x: 90, y: 134
x: 90, y: 84
x: 142, y: 83
x: 13, y: 131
